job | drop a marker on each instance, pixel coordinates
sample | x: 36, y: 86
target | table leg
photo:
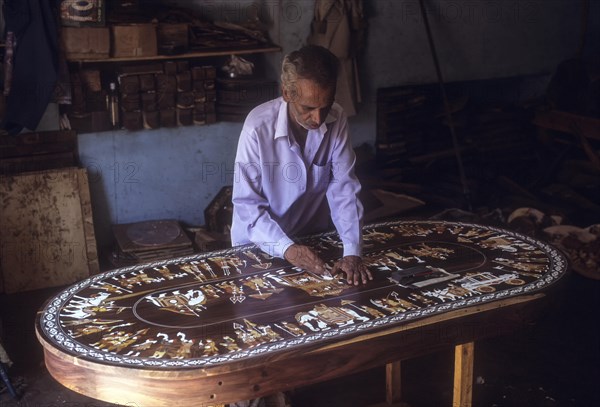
x: 393, y: 386
x: 393, y: 382
x: 463, y: 374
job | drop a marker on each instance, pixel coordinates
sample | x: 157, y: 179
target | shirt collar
x: 282, y: 126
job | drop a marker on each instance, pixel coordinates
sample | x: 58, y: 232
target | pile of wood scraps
x: 581, y: 245
x: 385, y: 204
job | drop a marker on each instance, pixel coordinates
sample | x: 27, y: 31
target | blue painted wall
x: 174, y: 173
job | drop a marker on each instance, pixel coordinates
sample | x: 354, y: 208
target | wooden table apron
x: 236, y: 324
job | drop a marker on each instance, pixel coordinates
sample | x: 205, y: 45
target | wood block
x: 200, y: 96
x: 185, y: 117
x: 168, y: 118
x: 130, y: 84
x: 131, y: 102
x: 149, y: 102
x: 184, y: 81
x: 166, y: 100
x: 134, y: 40
x: 198, y: 73
x: 85, y: 42
x: 210, y: 72
x: 211, y: 118
x: 147, y: 83
x: 209, y: 84
x: 132, y: 120
x: 46, y: 229
x: 185, y: 100
x: 151, y: 120
x: 211, y: 96
x: 182, y: 66
x: 166, y: 83
x: 95, y: 101
x: 170, y: 67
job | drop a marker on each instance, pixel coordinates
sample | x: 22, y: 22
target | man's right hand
x: 305, y: 258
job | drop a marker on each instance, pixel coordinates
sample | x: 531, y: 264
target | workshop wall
x: 174, y: 173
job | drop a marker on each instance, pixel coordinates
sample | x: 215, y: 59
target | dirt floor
x: 554, y: 361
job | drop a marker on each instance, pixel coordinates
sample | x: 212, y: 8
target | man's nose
x: 316, y: 116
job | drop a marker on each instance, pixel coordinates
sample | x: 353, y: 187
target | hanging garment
x: 34, y: 25
x: 339, y: 26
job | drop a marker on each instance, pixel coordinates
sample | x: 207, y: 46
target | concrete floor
x: 554, y: 361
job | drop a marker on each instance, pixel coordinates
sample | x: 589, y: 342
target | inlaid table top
x: 224, y: 325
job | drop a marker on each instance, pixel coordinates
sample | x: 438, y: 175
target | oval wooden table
x: 236, y: 324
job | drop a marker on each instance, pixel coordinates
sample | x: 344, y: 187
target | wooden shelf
x: 203, y: 54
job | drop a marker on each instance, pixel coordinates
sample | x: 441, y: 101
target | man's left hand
x: 356, y: 272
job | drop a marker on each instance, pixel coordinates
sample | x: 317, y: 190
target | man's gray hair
x: 310, y: 62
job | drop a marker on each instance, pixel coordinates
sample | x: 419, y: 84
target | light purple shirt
x: 280, y: 191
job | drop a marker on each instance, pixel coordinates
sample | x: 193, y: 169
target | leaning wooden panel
x: 43, y: 238
x: 234, y: 324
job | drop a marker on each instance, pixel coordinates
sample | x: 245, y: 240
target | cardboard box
x: 85, y: 42
x: 134, y: 40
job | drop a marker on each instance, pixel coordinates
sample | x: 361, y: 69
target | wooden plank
x: 27, y: 144
x: 187, y: 55
x: 463, y: 374
x: 37, y: 163
x: 568, y: 123
x: 91, y: 250
x: 43, y: 238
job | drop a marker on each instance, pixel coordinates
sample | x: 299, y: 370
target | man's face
x: 309, y: 105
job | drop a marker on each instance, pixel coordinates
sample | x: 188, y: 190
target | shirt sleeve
x: 342, y: 192
x: 251, y: 207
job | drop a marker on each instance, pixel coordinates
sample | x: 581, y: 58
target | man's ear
x: 285, y: 93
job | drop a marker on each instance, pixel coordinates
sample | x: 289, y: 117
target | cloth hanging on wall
x: 34, y: 25
x: 339, y: 26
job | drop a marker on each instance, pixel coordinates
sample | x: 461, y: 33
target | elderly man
x: 295, y: 169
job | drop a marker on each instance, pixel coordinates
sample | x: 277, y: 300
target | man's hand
x: 354, y: 268
x: 303, y: 257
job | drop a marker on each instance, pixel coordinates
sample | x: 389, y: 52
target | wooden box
x: 134, y: 40
x: 85, y: 42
